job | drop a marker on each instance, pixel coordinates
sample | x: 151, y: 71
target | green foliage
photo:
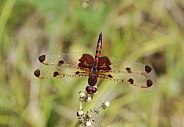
x: 146, y: 31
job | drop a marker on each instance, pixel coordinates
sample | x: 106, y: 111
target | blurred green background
x: 148, y: 31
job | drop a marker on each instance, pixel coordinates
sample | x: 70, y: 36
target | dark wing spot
x: 37, y: 73
x: 77, y: 72
x: 128, y: 69
x: 147, y: 68
x: 55, y: 74
x: 131, y: 81
x: 149, y: 83
x: 109, y: 75
x: 41, y: 58
x: 60, y: 62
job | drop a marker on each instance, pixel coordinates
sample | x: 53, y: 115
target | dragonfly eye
x: 91, y: 89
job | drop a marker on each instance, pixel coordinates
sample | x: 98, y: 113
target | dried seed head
x: 80, y: 113
x: 82, y: 94
x: 105, y: 105
x: 88, y: 123
x: 89, y: 114
x: 88, y: 97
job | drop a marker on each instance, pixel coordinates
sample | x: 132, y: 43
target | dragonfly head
x: 91, y: 89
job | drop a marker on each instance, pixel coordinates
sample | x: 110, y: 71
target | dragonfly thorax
x: 91, y: 89
x: 93, y: 76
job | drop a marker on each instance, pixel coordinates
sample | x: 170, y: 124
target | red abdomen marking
x: 98, y: 49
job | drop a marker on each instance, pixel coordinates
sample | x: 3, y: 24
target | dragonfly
x: 84, y: 64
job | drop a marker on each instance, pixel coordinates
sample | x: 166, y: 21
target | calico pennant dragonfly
x: 82, y: 64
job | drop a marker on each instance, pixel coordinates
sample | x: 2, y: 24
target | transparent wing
x: 128, y: 67
x: 60, y: 65
x: 127, y: 72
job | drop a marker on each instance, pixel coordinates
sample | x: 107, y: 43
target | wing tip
x: 148, y: 69
x: 37, y: 74
x: 149, y: 83
x: 42, y: 59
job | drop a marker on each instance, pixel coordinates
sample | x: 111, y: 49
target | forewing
x: 61, y: 65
